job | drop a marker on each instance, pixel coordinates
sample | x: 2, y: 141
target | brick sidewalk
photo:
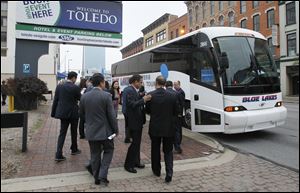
x: 39, y: 159
x: 244, y: 173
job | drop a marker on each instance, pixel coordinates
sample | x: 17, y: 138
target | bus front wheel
x: 187, y: 118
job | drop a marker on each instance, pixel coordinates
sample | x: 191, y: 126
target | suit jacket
x: 65, y: 104
x: 134, y: 109
x: 181, y: 100
x: 162, y: 108
x: 100, y: 118
x: 124, y: 99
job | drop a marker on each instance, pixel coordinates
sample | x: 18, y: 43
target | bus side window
x: 202, y: 69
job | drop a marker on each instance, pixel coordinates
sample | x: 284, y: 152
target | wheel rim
x: 188, y: 117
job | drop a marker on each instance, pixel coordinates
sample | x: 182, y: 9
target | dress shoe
x: 131, y: 170
x: 178, y: 151
x: 76, y: 152
x: 60, y: 158
x: 89, y: 169
x: 127, y: 141
x: 168, y: 179
x: 104, y: 181
x: 140, y: 166
x: 156, y: 174
x: 97, y: 182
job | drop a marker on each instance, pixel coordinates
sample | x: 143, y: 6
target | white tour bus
x: 228, y: 75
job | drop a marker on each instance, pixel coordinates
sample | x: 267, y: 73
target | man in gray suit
x: 100, y: 123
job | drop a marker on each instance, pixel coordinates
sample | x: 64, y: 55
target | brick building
x: 133, y: 48
x: 178, y: 27
x: 255, y: 15
x: 260, y: 16
x: 157, y: 32
x: 210, y: 13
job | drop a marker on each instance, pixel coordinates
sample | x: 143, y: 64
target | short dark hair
x: 161, y: 81
x: 169, y: 84
x: 97, y: 78
x: 71, y: 75
x: 134, y: 78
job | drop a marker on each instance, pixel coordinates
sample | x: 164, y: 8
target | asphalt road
x: 279, y: 145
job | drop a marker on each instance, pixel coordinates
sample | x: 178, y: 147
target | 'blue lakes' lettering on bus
x: 257, y: 98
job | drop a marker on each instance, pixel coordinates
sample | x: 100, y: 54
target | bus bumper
x: 254, y: 120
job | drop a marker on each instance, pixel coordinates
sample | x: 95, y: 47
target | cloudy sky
x: 136, y: 16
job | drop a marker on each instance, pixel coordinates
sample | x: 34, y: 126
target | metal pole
x: 11, y: 104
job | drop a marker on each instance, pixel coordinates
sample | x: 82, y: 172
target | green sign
x: 74, y: 36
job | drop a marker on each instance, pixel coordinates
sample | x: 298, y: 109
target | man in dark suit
x: 97, y: 108
x: 162, y: 108
x: 66, y: 109
x: 178, y: 125
x: 136, y: 120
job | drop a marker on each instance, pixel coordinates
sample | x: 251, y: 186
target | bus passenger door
x: 207, y: 114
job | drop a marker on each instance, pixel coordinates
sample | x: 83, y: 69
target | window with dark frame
x: 244, y: 23
x: 271, y: 18
x: 256, y: 23
x: 290, y: 13
x: 291, y: 44
x: 243, y: 6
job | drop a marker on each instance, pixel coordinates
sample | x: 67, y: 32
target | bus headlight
x: 234, y: 108
x: 278, y: 104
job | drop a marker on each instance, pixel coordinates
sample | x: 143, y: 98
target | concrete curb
x: 76, y: 178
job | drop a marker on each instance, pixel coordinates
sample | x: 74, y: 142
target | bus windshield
x: 251, y: 68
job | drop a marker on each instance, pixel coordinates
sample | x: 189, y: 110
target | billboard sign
x: 92, y: 15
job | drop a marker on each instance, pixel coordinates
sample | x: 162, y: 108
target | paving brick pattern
x: 39, y: 159
x: 244, y: 173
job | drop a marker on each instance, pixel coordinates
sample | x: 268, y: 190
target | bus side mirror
x: 224, y: 63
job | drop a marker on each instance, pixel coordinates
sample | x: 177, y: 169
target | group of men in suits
x: 163, y: 106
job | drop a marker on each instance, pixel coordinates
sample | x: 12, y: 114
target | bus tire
x: 186, y: 122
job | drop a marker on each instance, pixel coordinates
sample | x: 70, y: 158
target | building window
x: 231, y: 19
x: 221, y: 6
x: 3, y: 52
x: 203, y: 10
x: 204, y: 25
x: 256, y: 22
x: 197, y: 13
x: 191, y: 17
x: 243, y: 6
x: 212, y: 22
x: 160, y: 36
x: 172, y: 35
x: 244, y: 23
x: 290, y: 13
x: 255, y: 4
x: 3, y: 21
x: 291, y: 44
x: 269, y: 1
x: 212, y: 7
x: 149, y: 41
x: 4, y: 6
x: 271, y: 47
x: 197, y: 27
x: 182, y: 31
x: 3, y: 37
x: 271, y: 18
x: 177, y: 33
x: 230, y: 3
x: 221, y: 20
